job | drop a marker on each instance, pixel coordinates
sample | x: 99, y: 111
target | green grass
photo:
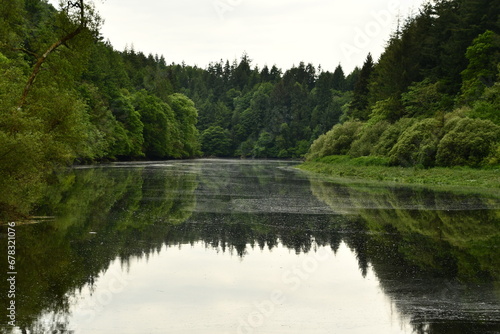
x: 377, y: 169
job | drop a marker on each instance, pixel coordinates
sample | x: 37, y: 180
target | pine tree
x: 358, y: 109
x: 339, y: 80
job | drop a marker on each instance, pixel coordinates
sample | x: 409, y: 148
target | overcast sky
x: 281, y: 32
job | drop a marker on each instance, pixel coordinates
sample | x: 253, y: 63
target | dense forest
x: 67, y: 96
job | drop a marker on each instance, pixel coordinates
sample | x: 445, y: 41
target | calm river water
x: 229, y: 246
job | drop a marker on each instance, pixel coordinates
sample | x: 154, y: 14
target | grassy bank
x: 376, y: 169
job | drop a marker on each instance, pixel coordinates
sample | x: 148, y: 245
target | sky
x: 271, y: 32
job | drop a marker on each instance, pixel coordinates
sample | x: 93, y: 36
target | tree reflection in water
x: 435, y: 253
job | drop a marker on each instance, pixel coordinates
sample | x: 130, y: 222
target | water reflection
x: 434, y: 254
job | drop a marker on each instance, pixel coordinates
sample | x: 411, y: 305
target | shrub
x: 370, y: 135
x: 417, y: 145
x: 390, y: 136
x: 316, y: 147
x: 339, y: 139
x: 468, y: 142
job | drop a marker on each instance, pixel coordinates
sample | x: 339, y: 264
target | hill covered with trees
x: 432, y: 99
x: 67, y: 96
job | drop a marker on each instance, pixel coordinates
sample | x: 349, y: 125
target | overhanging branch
x: 41, y: 60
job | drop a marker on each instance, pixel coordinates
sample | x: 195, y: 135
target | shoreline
x: 485, y: 181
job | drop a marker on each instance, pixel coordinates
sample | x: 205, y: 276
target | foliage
x: 389, y: 109
x: 215, y: 142
x: 363, y: 146
x: 433, y: 96
x: 417, y: 145
x: 337, y: 141
x: 488, y: 105
x: 468, y: 142
x: 422, y: 99
x: 66, y: 97
x: 483, y: 56
x: 186, y: 117
x: 358, y: 109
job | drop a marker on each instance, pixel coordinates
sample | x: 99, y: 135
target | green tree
x: 423, y: 99
x: 125, y: 113
x: 78, y: 18
x: 358, y: 109
x: 483, y: 56
x: 390, y: 136
x: 338, y: 79
x: 186, y: 116
x: 488, y: 105
x: 161, y: 139
x: 263, y: 146
x: 215, y: 141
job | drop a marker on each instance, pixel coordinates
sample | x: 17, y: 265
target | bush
x: 364, y: 145
x: 468, y: 142
x: 338, y: 140
x: 494, y: 158
x: 390, y: 136
x: 370, y: 161
x: 316, y: 147
x: 417, y: 145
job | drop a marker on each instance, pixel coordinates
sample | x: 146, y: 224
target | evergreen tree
x: 338, y: 79
x: 358, y: 109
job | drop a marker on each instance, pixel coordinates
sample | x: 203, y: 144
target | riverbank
x: 376, y: 170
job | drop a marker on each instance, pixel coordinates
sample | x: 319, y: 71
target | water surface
x: 225, y: 246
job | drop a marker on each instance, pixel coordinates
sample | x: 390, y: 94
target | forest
x: 68, y: 97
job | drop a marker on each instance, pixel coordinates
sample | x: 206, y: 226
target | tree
x: 422, y: 99
x: 76, y: 17
x: 130, y: 118
x: 338, y: 79
x: 11, y: 26
x: 186, y: 116
x: 337, y: 141
x: 215, y: 141
x: 263, y: 146
x: 161, y: 139
x: 358, y: 109
x: 363, y: 146
x: 483, y: 56
x: 242, y: 73
x: 488, y: 105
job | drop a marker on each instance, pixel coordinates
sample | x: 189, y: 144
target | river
x: 235, y: 246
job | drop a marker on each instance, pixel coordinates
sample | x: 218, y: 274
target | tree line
x: 247, y: 111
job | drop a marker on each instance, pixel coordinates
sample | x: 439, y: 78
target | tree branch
x: 41, y: 60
